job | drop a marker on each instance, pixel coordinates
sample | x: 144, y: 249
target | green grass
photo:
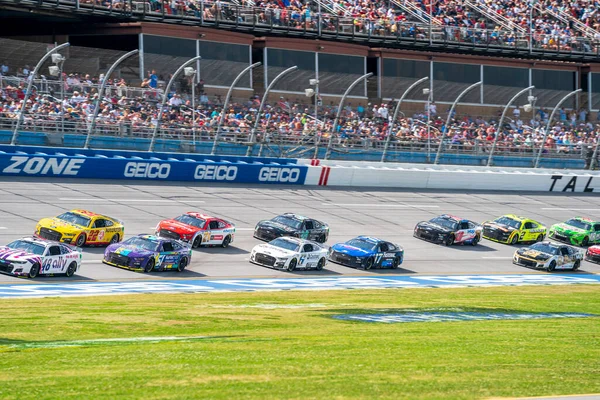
x: 256, y: 350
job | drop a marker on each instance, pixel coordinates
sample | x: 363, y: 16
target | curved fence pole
x: 222, y: 114
x: 537, y: 159
x: 395, y: 116
x: 595, y: 154
x: 101, y: 93
x: 164, y: 100
x: 15, y: 134
x: 339, y: 111
x: 515, y: 97
x: 262, y: 104
x: 439, y: 150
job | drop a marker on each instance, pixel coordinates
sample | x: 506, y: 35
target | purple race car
x: 147, y: 253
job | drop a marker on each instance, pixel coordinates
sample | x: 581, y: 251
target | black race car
x: 292, y: 225
x: 448, y: 229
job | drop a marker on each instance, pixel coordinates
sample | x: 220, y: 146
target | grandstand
x: 552, y: 47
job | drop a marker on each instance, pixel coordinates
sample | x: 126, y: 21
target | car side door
x: 566, y: 258
x: 54, y: 261
x: 309, y: 256
x: 595, y: 234
x: 168, y: 257
x: 97, y: 230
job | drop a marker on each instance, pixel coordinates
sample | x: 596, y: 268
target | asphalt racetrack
x: 389, y: 214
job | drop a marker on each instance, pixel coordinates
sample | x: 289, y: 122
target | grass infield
x: 269, y: 345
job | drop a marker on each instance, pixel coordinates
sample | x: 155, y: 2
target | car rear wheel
x: 552, y: 266
x: 71, y: 269
x: 197, y: 241
x: 395, y: 263
x: 321, y: 264
x: 80, y: 240
x: 322, y: 239
x: 475, y: 240
x: 292, y: 265
x: 149, y: 266
x: 540, y: 237
x: 514, y: 239
x: 449, y: 241
x: 585, y: 241
x: 114, y: 239
x: 34, y: 271
x: 576, y: 265
x: 226, y: 242
x: 182, y: 264
x: 369, y: 263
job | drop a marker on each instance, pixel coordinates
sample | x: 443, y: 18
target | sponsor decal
x: 571, y: 184
x: 442, y: 315
x: 147, y: 170
x: 277, y: 174
x: 57, y: 263
x: 216, y: 237
x: 216, y: 172
x: 43, y: 166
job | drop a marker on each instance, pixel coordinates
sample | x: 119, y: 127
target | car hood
x: 594, y: 250
x: 275, y: 226
x: 63, y: 226
x: 536, y: 255
x: 177, y: 226
x: 8, y: 254
x: 129, y: 251
x: 568, y: 229
x: 273, y: 250
x: 502, y: 227
x: 432, y: 226
x: 350, y: 250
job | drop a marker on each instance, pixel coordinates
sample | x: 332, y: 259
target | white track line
x: 3, y: 227
x: 133, y: 200
x: 497, y: 258
x: 571, y: 209
x: 378, y: 205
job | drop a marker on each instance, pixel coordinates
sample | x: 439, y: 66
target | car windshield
x: 445, y: 222
x: 579, y: 224
x: 513, y: 223
x: 287, y: 221
x: 75, y: 219
x: 545, y: 248
x: 193, y: 221
x: 362, y: 244
x: 285, y: 244
x: 142, y: 243
x: 28, y: 247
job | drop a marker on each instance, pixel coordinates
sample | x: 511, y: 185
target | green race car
x: 578, y: 231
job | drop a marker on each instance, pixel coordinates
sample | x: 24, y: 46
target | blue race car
x: 147, y: 253
x: 366, y: 252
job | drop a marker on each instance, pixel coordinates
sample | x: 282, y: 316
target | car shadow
x: 93, y: 250
x: 313, y: 272
x: 480, y: 248
x: 220, y: 250
x: 186, y: 273
x: 62, y: 278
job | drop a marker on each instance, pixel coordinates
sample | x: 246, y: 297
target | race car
x: 148, y: 253
x: 32, y: 256
x: 549, y: 256
x: 81, y: 227
x: 198, y: 229
x: 448, y: 229
x: 366, y: 252
x: 578, y: 231
x: 292, y: 225
x: 512, y: 229
x: 290, y: 253
x: 593, y: 254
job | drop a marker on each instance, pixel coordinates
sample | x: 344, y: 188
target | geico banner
x: 110, y: 168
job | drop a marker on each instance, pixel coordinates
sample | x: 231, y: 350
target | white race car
x: 290, y: 253
x: 33, y: 256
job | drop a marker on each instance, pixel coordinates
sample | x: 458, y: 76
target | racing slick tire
x: 34, y: 271
x: 552, y: 266
x: 114, y: 239
x: 80, y: 241
x: 321, y: 264
x: 576, y: 265
x: 149, y: 267
x: 449, y: 241
x: 71, y: 269
x: 585, y: 241
x: 182, y: 264
x: 197, y: 242
x: 515, y: 239
x: 322, y: 239
x: 475, y: 240
x: 369, y: 263
x: 292, y: 265
x: 395, y: 263
x: 226, y: 242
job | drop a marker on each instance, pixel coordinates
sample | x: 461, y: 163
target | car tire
x: 515, y: 239
x: 585, y: 241
x: 539, y: 238
x: 395, y: 263
x: 226, y: 242
x: 80, y: 241
x: 149, y: 267
x: 182, y: 264
x: 197, y: 242
x: 114, y: 239
x: 475, y: 240
x: 321, y: 264
x: 322, y: 238
x: 292, y: 265
x: 34, y: 271
x: 71, y: 269
x: 369, y: 263
x: 576, y: 265
x: 552, y: 266
x: 449, y: 241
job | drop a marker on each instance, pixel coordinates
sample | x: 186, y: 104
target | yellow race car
x: 81, y: 227
x: 512, y: 229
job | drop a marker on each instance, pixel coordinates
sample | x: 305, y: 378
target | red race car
x: 198, y: 229
x: 593, y: 254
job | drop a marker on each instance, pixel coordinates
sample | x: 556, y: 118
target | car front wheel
x: 292, y: 265
x: 34, y: 271
x: 369, y: 263
x: 552, y: 266
x: 80, y: 240
x: 514, y: 239
x: 149, y: 266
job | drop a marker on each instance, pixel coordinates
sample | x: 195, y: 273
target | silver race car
x: 290, y: 253
x: 549, y: 256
